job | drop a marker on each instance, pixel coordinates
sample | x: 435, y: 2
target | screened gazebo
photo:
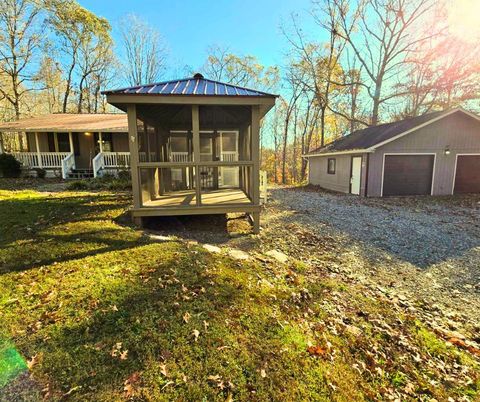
x: 194, y: 147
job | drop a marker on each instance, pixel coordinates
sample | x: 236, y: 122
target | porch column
x: 196, y: 151
x: 37, y: 145
x: 133, y: 148
x: 255, y: 139
x: 55, y: 141
x: 70, y: 140
x: 100, y: 141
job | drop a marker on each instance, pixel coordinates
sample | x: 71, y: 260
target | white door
x: 356, y: 175
x: 228, y: 153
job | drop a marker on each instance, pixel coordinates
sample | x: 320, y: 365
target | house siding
x: 120, y: 142
x: 459, y: 132
x: 340, y: 181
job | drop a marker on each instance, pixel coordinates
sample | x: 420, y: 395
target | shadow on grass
x: 40, y: 230
x: 144, y: 314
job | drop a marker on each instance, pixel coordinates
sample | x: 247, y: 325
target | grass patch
x: 102, y: 313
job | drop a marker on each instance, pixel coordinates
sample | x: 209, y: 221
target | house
x: 434, y: 154
x: 194, y: 146
x: 73, y: 145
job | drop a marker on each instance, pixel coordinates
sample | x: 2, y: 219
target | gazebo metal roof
x: 193, y: 86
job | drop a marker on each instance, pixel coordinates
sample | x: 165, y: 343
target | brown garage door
x: 467, y: 176
x: 408, y: 174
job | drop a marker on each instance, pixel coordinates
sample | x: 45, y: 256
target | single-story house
x: 434, y: 154
x: 194, y: 146
x: 73, y: 145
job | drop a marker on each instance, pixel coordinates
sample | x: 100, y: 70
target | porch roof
x: 70, y: 122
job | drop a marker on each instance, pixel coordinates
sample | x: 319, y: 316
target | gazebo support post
x: 196, y: 151
x: 133, y: 147
x: 255, y: 141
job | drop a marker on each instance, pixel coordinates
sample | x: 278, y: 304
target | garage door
x: 467, y: 176
x: 408, y: 174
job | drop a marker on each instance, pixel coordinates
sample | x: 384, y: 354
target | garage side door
x: 467, y: 176
x: 408, y: 174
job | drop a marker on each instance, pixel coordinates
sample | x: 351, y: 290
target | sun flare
x: 463, y: 19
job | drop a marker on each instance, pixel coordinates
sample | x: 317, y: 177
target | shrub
x: 124, y: 175
x: 9, y: 166
x: 106, y: 182
x: 78, y: 185
x: 41, y: 173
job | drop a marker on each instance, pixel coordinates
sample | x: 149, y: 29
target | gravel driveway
x: 425, y: 249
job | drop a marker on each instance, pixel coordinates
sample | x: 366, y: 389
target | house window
x: 331, y: 165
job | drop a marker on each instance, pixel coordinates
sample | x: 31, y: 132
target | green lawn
x: 102, y: 313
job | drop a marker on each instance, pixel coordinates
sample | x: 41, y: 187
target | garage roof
x: 70, y: 122
x: 369, y: 138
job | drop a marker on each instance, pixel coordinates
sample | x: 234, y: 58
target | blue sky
x: 245, y: 26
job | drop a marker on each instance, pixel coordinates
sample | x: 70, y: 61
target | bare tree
x: 145, y: 51
x: 382, y: 34
x: 19, y: 38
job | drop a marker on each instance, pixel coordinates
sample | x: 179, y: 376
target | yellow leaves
x: 196, y: 334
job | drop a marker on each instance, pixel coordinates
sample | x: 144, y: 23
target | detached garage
x: 434, y: 154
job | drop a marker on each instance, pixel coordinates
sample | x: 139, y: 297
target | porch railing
x: 110, y: 160
x: 116, y: 159
x: 180, y: 157
x: 229, y: 156
x: 97, y: 164
x: 41, y: 159
x: 68, y: 163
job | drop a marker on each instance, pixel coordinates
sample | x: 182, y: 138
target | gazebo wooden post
x: 133, y: 147
x: 255, y: 139
x: 196, y: 151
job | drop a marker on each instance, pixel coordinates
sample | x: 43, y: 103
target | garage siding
x: 458, y: 132
x: 340, y: 181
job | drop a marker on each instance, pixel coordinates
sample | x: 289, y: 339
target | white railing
x: 41, y: 159
x: 68, y: 163
x: 116, y: 159
x: 98, y: 164
x: 229, y: 156
x: 142, y: 157
x: 179, y: 157
x: 263, y: 186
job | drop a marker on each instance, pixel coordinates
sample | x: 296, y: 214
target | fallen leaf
x: 186, y: 317
x: 163, y: 370
x: 123, y: 355
x: 263, y: 373
x: 131, y: 384
x: 32, y: 362
x: 196, y: 334
x: 316, y: 350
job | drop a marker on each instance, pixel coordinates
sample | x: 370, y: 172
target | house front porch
x: 75, y: 155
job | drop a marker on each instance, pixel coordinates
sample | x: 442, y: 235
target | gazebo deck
x: 188, y: 198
